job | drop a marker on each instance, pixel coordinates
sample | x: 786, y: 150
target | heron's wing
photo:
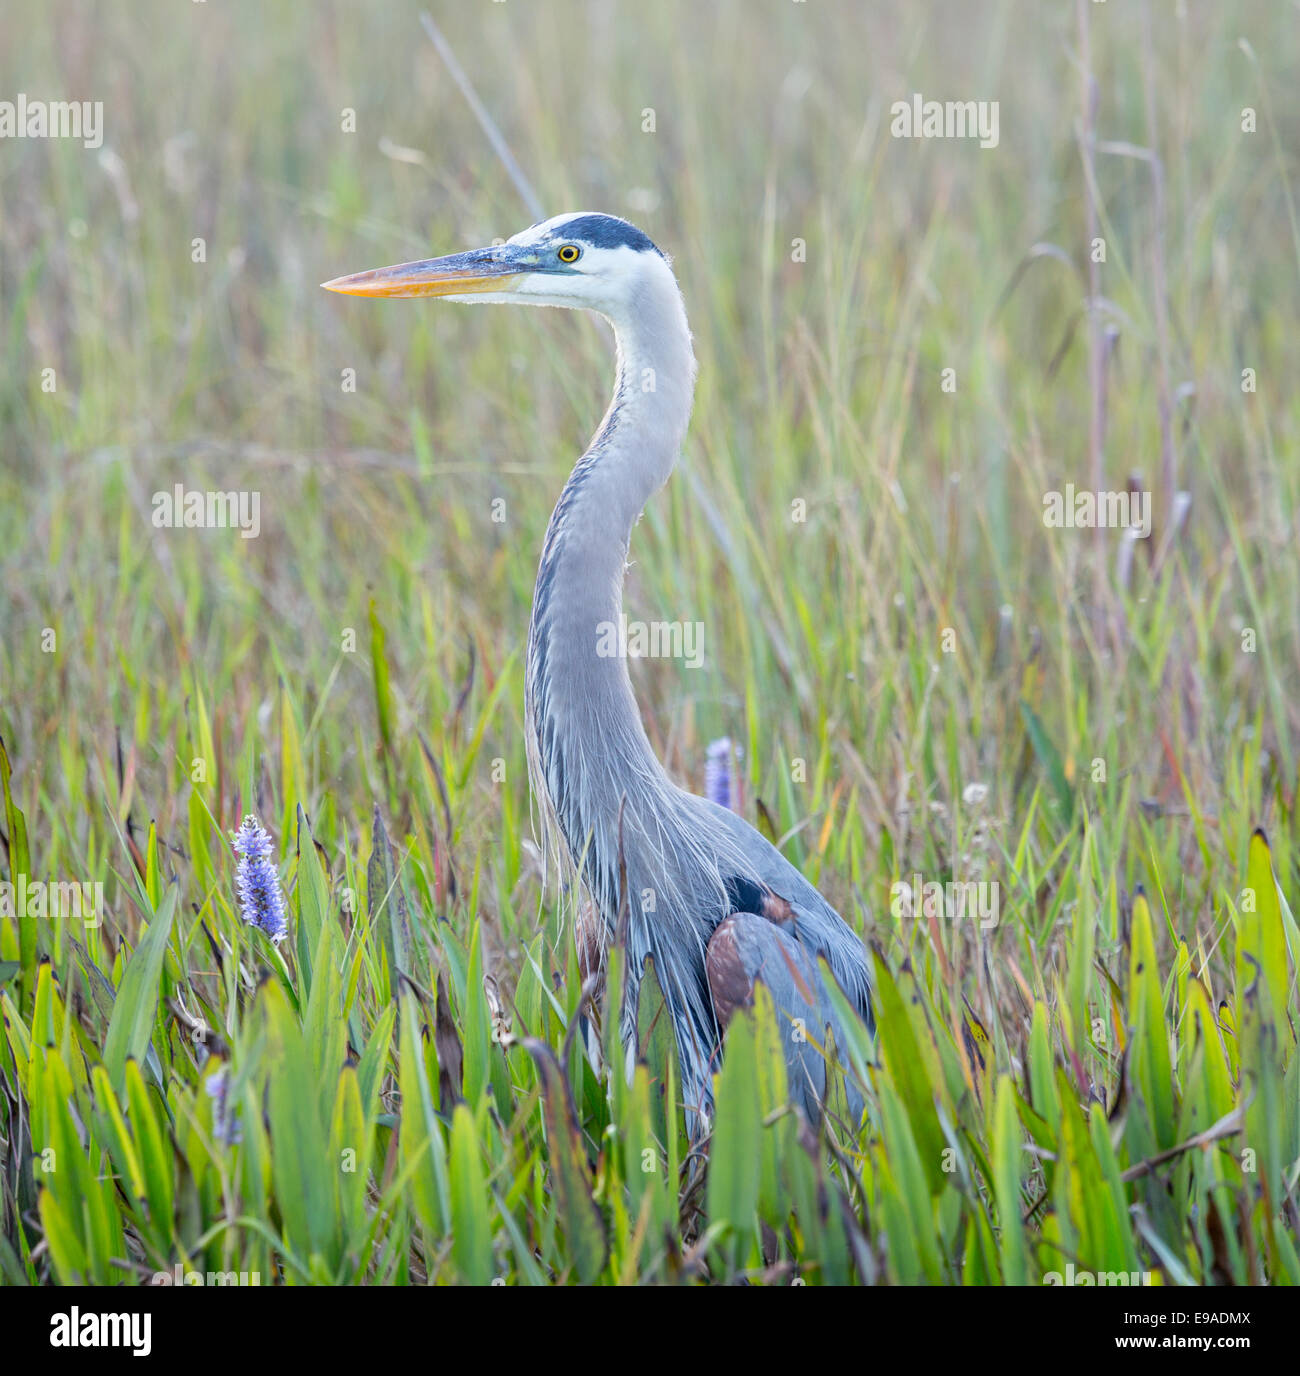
x: 746, y: 949
x: 819, y: 928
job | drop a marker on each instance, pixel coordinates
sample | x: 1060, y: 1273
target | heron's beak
x: 459, y: 274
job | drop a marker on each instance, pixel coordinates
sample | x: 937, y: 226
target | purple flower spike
x: 226, y: 1126
x: 257, y: 882
x: 721, y: 784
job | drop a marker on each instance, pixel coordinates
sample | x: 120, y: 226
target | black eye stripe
x: 608, y: 231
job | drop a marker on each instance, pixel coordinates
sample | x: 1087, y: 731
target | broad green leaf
x: 304, y: 1187
x: 1153, y: 1127
x: 1261, y: 938
x: 156, y: 1154
x: 734, y: 1157
x: 471, y: 1218
x: 578, y: 1215
x: 910, y: 1073
x: 135, y: 1007
x: 19, y: 865
x: 1006, y: 1184
x: 312, y: 892
x: 420, y: 1136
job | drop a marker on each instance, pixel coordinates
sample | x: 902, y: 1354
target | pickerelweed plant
x: 260, y: 898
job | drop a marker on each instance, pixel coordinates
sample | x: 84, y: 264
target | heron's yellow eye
x: 570, y: 253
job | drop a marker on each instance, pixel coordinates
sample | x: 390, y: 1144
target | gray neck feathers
x: 589, y: 745
x: 588, y: 752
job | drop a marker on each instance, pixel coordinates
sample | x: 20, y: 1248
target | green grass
x: 411, y: 1103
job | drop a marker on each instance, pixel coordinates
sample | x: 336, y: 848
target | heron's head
x: 583, y: 260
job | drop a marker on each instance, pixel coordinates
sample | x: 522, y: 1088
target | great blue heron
x: 714, y: 904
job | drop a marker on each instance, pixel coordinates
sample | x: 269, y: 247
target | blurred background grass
x: 820, y: 383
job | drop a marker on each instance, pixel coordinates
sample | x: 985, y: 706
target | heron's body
x: 707, y: 897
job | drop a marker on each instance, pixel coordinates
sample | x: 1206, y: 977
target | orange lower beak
x: 459, y: 274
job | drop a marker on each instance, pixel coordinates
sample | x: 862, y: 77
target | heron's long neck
x: 588, y: 742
